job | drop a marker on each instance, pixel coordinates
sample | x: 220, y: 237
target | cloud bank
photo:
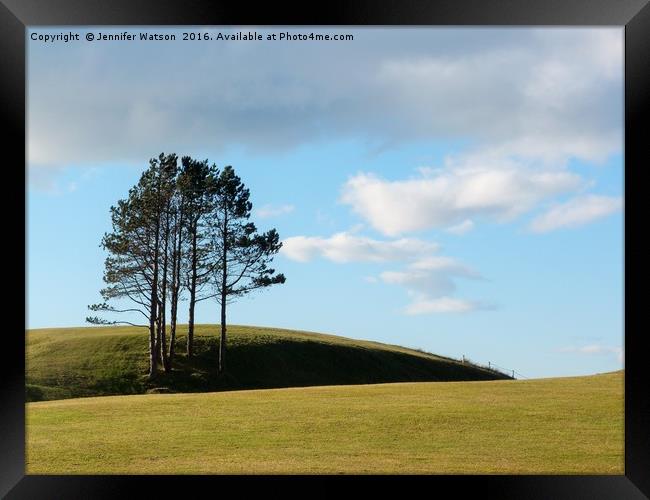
x: 552, y: 93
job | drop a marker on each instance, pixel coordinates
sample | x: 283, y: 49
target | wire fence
x: 495, y: 368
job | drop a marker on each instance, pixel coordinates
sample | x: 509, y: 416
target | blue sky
x: 455, y: 190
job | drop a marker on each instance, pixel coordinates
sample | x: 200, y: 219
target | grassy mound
x: 79, y: 362
x: 546, y: 426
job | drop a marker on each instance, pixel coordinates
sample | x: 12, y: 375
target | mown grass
x: 81, y: 362
x: 545, y: 426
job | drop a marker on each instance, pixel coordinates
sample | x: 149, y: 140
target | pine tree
x: 168, y: 173
x: 241, y: 255
x: 196, y: 185
x: 178, y: 247
x: 135, y: 246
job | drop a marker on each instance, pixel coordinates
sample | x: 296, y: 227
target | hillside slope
x: 546, y: 426
x: 76, y: 362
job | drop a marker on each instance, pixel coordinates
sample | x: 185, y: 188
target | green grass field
x: 78, y: 362
x: 546, y: 426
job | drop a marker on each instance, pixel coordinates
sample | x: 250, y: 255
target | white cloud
x: 464, y: 227
x: 451, y: 195
x: 444, y: 264
x: 426, y: 282
x: 346, y: 247
x: 596, y: 349
x: 267, y: 211
x: 440, y: 305
x: 430, y: 281
x: 576, y: 212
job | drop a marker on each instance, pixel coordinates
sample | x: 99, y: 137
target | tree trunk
x: 154, y: 331
x: 153, y: 358
x: 172, y: 337
x: 222, y: 342
x: 224, y: 292
x: 158, y: 332
x: 190, y: 326
x: 153, y: 311
x: 163, y: 334
x: 172, y: 319
x: 172, y: 333
x: 172, y: 327
x: 163, y: 341
x: 165, y: 270
x: 176, y: 286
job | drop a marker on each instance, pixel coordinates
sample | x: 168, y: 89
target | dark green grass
x: 79, y: 362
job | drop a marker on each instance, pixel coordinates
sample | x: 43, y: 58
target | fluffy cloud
x: 428, y: 279
x: 451, y: 195
x: 430, y: 282
x: 447, y: 264
x: 347, y: 247
x: 423, y: 281
x: 576, y: 212
x: 267, y: 211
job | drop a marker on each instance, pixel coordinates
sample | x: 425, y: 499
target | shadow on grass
x: 287, y: 363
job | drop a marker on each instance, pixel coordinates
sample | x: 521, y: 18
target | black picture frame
x: 634, y: 15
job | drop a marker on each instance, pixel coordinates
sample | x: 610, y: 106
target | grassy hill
x: 79, y: 362
x: 546, y: 426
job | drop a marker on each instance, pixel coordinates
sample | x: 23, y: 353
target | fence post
x: 489, y: 365
x: 513, y: 374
